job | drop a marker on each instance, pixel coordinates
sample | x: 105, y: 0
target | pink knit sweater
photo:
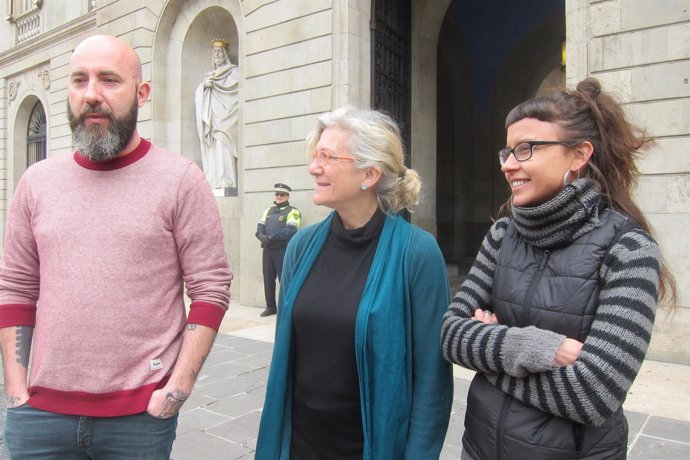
x: 95, y: 256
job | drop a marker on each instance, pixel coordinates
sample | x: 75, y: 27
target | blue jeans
x: 36, y: 434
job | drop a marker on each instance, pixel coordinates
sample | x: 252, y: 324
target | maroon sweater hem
x: 113, y: 404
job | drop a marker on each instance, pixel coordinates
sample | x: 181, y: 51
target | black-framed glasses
x: 524, y: 150
x: 281, y: 194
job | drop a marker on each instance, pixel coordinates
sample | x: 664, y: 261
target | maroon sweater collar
x: 116, y: 163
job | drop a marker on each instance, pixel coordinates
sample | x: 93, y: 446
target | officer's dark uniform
x: 277, y: 225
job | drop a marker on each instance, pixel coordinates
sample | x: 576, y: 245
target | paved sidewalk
x: 221, y: 418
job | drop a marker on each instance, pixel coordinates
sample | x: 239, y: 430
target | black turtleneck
x: 326, y: 415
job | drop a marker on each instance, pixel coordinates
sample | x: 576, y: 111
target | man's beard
x: 102, y: 143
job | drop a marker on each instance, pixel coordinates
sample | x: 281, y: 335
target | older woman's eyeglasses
x: 524, y: 150
x: 323, y: 158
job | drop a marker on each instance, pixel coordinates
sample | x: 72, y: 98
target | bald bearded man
x: 99, y: 247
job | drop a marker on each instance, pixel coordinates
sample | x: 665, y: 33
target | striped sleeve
x: 593, y: 388
x: 465, y: 341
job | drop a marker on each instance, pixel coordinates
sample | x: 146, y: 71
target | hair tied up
x: 589, y: 88
x: 403, y: 174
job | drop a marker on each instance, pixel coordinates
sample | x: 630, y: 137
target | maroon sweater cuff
x: 206, y: 313
x: 17, y: 314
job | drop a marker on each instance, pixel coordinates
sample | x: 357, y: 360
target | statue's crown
x: 220, y: 42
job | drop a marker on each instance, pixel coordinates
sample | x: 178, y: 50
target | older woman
x: 356, y: 371
x: 557, y: 311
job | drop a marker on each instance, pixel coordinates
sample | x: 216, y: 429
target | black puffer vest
x: 555, y: 289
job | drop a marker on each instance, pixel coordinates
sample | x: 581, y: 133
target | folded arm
x: 485, y: 346
x: 595, y: 386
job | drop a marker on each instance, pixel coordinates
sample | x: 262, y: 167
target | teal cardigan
x: 406, y: 387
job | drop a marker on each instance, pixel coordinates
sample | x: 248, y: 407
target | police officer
x: 277, y: 225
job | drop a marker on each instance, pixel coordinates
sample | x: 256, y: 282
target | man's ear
x: 143, y: 93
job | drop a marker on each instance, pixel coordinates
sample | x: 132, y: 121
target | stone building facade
x: 463, y: 66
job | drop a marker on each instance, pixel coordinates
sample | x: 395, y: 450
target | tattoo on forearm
x: 191, y: 326
x: 13, y: 401
x: 173, y: 402
x: 23, y: 344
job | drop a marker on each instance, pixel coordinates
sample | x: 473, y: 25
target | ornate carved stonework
x: 28, y: 27
x: 12, y: 89
x: 44, y: 76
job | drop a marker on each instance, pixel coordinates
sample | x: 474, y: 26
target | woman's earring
x: 364, y: 186
x: 565, y: 178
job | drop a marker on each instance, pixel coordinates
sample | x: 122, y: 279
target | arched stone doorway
x: 489, y: 60
x: 30, y: 138
x: 181, y: 56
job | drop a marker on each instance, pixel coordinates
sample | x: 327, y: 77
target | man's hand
x: 17, y: 398
x: 166, y: 402
x: 196, y: 344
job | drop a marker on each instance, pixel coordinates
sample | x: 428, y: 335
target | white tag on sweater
x: 156, y: 364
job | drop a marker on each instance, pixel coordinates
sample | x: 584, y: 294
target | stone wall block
x: 674, y: 75
x: 678, y: 192
x: 663, y: 118
x: 60, y: 144
x: 669, y: 155
x: 276, y: 131
x: 295, y: 55
x: 291, y: 80
x: 249, y: 6
x: 283, y: 11
x: 296, y: 176
x: 651, y: 194
x: 678, y: 39
x: 118, y: 11
x: 61, y: 131
x: 641, y: 14
x: 298, y: 30
x: 276, y: 155
x: 628, y: 49
x: 668, y: 229
x: 605, y: 18
x: 670, y: 340
x: 288, y: 105
x: 146, y: 19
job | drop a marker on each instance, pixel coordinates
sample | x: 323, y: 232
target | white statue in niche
x: 217, y: 104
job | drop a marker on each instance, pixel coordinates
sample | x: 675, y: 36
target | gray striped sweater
x: 519, y: 360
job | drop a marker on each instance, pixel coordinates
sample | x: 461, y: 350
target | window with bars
x: 36, y: 135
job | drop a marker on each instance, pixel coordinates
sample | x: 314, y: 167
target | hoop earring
x: 364, y: 186
x: 565, y: 178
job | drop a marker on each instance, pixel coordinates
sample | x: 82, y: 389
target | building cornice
x: 48, y: 39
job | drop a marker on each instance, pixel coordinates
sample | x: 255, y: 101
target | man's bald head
x: 112, y: 49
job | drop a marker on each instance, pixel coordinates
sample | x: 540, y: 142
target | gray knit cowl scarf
x: 573, y: 212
